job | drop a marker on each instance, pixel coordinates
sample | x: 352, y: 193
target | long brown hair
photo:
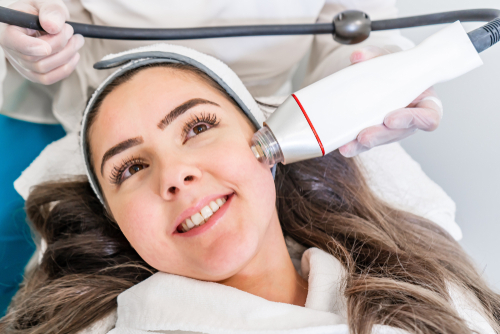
x: 400, y: 266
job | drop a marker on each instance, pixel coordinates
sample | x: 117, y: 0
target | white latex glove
x: 42, y: 57
x: 424, y: 113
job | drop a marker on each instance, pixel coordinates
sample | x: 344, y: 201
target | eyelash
x: 117, y: 171
x: 203, y: 118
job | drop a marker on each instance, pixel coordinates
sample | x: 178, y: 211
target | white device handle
x: 339, y: 106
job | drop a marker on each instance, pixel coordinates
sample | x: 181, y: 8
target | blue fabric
x: 20, y: 144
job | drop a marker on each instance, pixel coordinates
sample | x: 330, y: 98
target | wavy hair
x: 399, y: 266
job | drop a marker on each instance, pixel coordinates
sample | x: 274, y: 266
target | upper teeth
x: 201, y: 217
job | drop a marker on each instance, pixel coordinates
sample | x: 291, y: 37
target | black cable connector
x: 486, y: 36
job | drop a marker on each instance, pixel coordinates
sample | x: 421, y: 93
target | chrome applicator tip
x: 265, y: 147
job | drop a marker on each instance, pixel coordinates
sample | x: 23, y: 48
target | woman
x: 32, y: 62
x: 186, y: 231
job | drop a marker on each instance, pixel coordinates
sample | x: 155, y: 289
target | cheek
x: 141, y: 222
x: 234, y: 162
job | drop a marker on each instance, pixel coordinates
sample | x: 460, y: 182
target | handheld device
x: 331, y: 112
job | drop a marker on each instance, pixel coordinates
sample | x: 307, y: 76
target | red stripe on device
x: 310, y: 124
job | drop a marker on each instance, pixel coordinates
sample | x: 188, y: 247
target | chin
x: 228, y: 258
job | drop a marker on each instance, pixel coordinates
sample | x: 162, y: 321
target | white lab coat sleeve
x: 391, y: 173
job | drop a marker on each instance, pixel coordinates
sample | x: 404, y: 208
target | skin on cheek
x: 141, y: 223
x: 234, y: 155
x: 235, y: 159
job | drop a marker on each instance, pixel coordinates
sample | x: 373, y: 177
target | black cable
x: 19, y: 19
x: 95, y: 31
x: 25, y: 20
x: 31, y: 21
x: 468, y: 15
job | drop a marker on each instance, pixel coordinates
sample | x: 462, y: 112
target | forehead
x: 151, y: 93
x: 156, y: 83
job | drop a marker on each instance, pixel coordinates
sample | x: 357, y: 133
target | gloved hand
x: 424, y: 113
x: 42, y: 57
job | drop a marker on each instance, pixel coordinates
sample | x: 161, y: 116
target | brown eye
x: 135, y: 168
x: 199, y: 128
x: 198, y: 125
x: 127, y: 169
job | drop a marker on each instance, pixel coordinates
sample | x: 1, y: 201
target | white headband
x: 166, y: 53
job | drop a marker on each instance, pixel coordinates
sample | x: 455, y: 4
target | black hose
x: 19, y: 19
x: 95, y: 31
x: 482, y: 38
x: 469, y: 15
x: 31, y: 21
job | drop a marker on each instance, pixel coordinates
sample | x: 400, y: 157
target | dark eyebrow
x: 120, y: 148
x: 179, y: 110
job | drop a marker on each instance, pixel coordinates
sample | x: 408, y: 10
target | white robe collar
x: 166, y: 302
x: 325, y: 275
x: 171, y: 302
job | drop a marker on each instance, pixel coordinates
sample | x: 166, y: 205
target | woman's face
x: 164, y: 145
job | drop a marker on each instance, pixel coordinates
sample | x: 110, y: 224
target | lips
x: 196, y: 209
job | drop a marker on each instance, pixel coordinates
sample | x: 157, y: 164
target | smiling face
x: 164, y: 145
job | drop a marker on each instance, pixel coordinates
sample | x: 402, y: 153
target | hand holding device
x: 424, y: 113
x: 42, y: 57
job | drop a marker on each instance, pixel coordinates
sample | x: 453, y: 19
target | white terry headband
x: 167, y: 53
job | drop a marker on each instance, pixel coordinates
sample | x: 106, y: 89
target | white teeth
x: 197, y: 219
x: 213, y: 206
x: 189, y: 223
x: 206, y: 212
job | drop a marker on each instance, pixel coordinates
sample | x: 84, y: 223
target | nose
x: 178, y: 178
